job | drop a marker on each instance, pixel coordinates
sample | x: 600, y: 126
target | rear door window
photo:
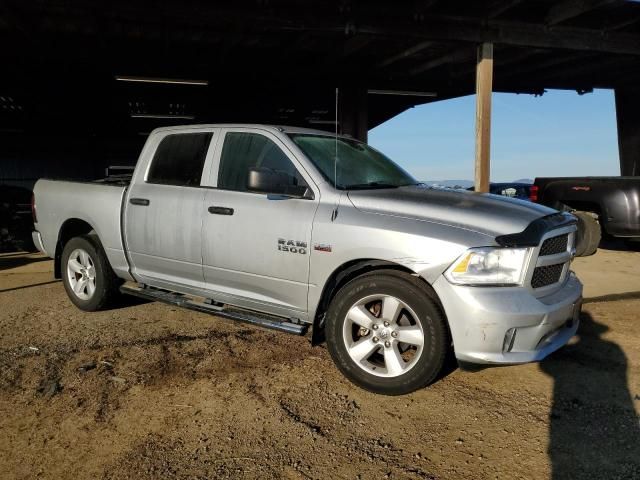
x: 179, y: 159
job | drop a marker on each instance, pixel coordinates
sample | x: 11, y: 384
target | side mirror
x: 266, y: 180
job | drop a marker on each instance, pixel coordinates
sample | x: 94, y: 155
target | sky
x: 558, y: 134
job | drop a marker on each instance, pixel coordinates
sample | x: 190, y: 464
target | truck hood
x: 484, y: 213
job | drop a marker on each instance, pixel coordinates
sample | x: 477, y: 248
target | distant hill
x: 465, y: 183
x: 450, y: 183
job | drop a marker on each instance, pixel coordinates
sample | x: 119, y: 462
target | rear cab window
x: 179, y: 159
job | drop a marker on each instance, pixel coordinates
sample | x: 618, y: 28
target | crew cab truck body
x: 289, y: 228
x: 608, y: 205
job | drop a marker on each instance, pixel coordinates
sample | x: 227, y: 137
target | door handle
x: 139, y: 201
x: 220, y: 210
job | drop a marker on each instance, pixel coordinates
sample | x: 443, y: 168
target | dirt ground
x: 148, y: 391
x: 621, y: 264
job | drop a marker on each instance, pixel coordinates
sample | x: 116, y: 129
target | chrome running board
x: 245, y: 316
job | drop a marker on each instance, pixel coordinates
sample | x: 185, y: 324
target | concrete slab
x: 609, y: 274
x: 23, y: 270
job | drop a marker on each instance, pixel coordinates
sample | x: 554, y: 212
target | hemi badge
x: 322, y: 247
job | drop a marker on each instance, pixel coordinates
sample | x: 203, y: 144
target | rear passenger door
x: 256, y: 246
x: 163, y: 216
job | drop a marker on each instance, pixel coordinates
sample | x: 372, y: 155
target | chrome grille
x: 549, y: 267
x: 554, y: 245
x: 547, y: 275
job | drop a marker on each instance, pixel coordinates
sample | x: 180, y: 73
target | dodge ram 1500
x: 291, y: 229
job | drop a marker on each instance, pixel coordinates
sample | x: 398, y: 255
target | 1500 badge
x: 292, y: 246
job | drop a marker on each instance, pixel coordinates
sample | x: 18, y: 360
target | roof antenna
x: 334, y: 213
x: 335, y: 158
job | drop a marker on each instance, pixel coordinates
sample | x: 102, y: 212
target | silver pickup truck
x: 292, y: 229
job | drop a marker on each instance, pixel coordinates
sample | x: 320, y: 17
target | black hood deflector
x: 531, y: 236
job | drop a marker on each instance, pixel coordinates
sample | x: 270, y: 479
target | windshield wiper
x: 364, y: 186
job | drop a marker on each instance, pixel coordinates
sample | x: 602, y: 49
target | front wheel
x: 87, y: 275
x: 386, y: 334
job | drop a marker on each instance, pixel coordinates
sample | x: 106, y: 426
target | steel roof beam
x: 405, y: 53
x: 569, y: 9
x: 498, y: 7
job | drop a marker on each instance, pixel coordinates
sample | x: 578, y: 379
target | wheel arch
x: 583, y: 206
x: 589, y: 206
x: 347, y: 272
x: 72, y: 227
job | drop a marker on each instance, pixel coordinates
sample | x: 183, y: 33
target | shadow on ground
x: 21, y: 287
x: 613, y: 297
x: 125, y: 301
x: 18, y: 260
x: 594, y: 429
x: 619, y: 245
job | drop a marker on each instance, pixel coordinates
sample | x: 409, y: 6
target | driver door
x: 244, y: 232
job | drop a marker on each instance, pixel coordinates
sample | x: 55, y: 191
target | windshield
x: 358, y: 166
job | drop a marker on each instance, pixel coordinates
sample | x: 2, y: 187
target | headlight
x: 489, y: 266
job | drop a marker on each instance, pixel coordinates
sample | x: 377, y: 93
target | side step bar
x: 260, y: 320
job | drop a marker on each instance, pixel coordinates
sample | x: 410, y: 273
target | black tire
x: 415, y: 295
x: 106, y: 282
x: 589, y: 234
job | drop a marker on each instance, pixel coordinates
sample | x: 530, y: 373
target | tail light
x: 533, y: 193
x: 33, y: 208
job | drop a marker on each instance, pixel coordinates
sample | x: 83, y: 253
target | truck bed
x: 98, y: 204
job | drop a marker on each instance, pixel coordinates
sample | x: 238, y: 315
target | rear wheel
x: 386, y: 334
x: 589, y: 234
x: 86, y: 274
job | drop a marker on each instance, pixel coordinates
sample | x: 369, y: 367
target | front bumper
x: 480, y: 319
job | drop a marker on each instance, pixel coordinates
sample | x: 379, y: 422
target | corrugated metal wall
x: 24, y: 158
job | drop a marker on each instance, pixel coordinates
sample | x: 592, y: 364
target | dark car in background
x: 509, y: 189
x: 16, y: 220
x: 609, y: 205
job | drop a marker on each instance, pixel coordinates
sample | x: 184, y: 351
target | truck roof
x: 274, y: 128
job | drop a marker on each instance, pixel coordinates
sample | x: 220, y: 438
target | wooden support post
x: 484, y: 86
x: 628, y: 116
